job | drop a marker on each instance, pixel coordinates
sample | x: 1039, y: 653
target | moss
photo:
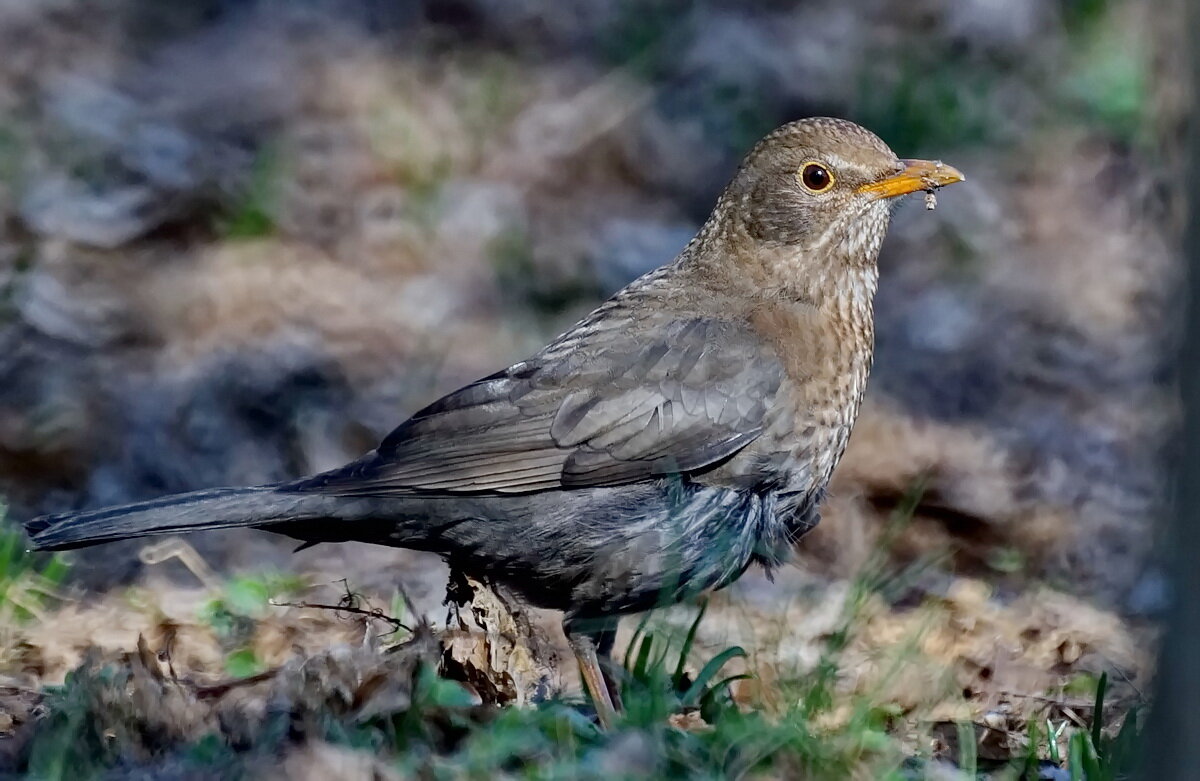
x: 252, y: 214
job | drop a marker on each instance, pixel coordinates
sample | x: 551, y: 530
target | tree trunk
x: 1172, y: 742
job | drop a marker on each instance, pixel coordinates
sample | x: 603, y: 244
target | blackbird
x: 682, y: 431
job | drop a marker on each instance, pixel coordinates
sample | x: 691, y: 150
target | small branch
x: 374, y: 613
x: 349, y: 603
x: 215, y: 690
x: 1048, y: 700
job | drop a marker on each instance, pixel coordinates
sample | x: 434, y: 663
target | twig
x: 215, y: 690
x: 1075, y: 717
x: 375, y: 613
x: 1119, y: 670
x: 349, y: 604
x: 175, y: 548
x: 1048, y: 700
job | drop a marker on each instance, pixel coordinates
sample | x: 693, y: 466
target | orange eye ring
x: 815, y: 177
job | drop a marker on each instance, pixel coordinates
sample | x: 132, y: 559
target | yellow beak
x: 917, y: 175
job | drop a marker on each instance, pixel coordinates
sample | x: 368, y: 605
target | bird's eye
x: 815, y: 177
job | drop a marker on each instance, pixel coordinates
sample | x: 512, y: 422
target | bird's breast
x: 826, y: 351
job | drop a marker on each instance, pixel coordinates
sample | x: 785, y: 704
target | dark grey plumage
x: 684, y: 430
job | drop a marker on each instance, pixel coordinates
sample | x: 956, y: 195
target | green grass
x: 252, y: 214
x: 1091, y: 754
x: 1107, y: 82
x: 681, y: 717
x: 1099, y: 757
x: 442, y: 733
x: 557, y: 740
x: 943, y: 96
x: 69, y: 744
x: 930, y: 100
x: 28, y: 581
x: 233, y: 614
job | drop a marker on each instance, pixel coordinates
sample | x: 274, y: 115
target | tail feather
x: 219, y: 508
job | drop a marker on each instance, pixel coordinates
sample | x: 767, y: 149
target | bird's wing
x: 598, y: 407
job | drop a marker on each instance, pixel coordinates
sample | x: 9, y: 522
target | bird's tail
x: 219, y: 508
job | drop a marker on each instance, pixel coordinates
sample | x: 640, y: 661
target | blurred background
x: 241, y: 240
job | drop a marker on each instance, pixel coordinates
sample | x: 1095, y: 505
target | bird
x: 683, y: 431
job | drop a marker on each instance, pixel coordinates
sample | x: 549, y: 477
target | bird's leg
x: 584, y: 645
x: 605, y: 639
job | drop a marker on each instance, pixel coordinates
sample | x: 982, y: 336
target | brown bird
x: 682, y: 431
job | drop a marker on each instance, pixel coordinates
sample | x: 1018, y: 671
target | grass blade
x: 709, y: 671
x: 1098, y: 712
x: 688, y: 642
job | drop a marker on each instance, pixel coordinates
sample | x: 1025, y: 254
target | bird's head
x: 825, y: 187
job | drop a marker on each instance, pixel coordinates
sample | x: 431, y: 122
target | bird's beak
x: 917, y: 175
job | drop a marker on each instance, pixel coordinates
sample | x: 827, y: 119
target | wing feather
x: 600, y: 406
